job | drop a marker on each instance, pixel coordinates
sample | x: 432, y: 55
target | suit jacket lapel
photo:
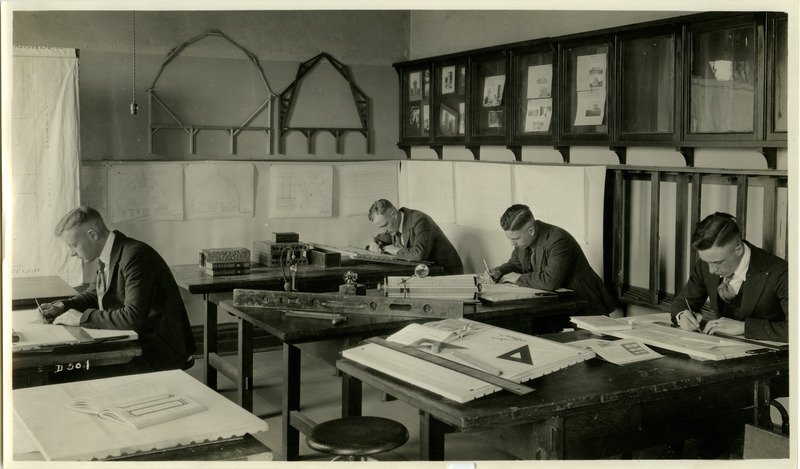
x: 406, y: 230
x: 116, y: 252
x: 757, y: 276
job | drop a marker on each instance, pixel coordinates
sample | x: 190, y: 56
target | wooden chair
x: 357, y: 438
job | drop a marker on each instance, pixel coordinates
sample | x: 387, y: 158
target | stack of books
x: 225, y: 261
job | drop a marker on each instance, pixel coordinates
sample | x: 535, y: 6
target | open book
x: 138, y: 404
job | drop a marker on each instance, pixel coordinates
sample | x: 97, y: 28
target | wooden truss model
x: 288, y: 98
x: 192, y: 129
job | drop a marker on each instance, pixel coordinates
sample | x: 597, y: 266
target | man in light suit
x: 134, y: 290
x: 548, y: 258
x: 412, y: 235
x: 747, y: 286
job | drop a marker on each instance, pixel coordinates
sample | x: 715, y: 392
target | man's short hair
x: 379, y: 207
x: 80, y: 216
x: 717, y: 229
x: 516, y: 217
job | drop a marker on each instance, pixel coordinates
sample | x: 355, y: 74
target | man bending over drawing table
x: 547, y: 257
x: 135, y: 290
x: 746, y: 286
x: 412, y: 235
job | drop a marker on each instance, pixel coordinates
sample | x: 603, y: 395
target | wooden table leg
x: 351, y: 396
x: 245, y: 365
x: 431, y: 437
x: 291, y: 401
x: 761, y: 401
x: 210, y: 343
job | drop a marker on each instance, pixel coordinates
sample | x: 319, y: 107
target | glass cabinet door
x: 415, y: 110
x: 534, y: 77
x: 488, y: 111
x: 586, y: 91
x: 450, y: 89
x: 778, y: 87
x: 647, y: 87
x: 723, y: 80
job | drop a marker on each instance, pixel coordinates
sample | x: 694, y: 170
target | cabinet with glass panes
x: 585, y: 83
x: 778, y: 74
x: 416, y: 103
x: 724, y: 80
x: 533, y: 79
x: 648, y: 100
x: 450, y: 92
x: 489, y: 98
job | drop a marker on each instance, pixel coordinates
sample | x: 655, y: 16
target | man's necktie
x: 725, y: 289
x: 101, y: 278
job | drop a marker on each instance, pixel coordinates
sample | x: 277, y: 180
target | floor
x: 320, y: 400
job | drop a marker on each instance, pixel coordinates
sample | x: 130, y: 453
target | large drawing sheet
x: 43, y: 160
x: 297, y: 191
x: 151, y: 191
x: 219, y: 190
x: 360, y: 184
x: 429, y: 186
x: 65, y: 435
x: 33, y: 333
x: 93, y: 187
x: 483, y: 193
x: 556, y: 195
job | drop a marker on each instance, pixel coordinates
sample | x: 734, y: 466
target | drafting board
x: 510, y: 355
x: 35, y: 334
x: 65, y: 435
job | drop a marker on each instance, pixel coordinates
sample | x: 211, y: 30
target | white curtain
x: 45, y: 160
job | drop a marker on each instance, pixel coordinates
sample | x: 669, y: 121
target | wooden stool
x: 356, y: 438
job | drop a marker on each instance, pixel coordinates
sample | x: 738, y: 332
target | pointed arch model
x: 288, y: 98
x: 192, y: 129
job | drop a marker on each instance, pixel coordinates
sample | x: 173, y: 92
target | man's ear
x: 93, y: 235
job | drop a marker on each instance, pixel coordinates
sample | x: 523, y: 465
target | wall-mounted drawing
x: 185, y: 100
x: 290, y: 97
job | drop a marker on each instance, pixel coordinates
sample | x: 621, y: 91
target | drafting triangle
x: 521, y: 355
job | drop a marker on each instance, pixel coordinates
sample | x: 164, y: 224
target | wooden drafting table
x: 25, y: 291
x: 61, y: 434
x: 322, y: 339
x: 593, y: 409
x: 46, y: 351
x: 309, y: 278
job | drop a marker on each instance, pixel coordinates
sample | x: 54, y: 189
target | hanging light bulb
x: 134, y: 106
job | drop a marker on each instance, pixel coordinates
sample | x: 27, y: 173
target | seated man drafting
x: 134, y: 290
x: 412, y: 235
x: 548, y: 257
x: 747, y: 286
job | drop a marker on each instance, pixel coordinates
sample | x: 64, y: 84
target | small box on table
x: 269, y: 253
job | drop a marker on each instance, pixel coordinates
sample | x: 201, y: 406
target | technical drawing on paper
x: 145, y: 191
x: 361, y: 184
x: 300, y: 191
x: 219, y: 190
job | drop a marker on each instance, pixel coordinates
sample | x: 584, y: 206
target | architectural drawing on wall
x: 360, y: 184
x: 145, y: 191
x: 219, y: 190
x: 164, y: 117
x: 482, y: 189
x: 93, y: 187
x: 288, y: 101
x: 556, y: 195
x: 43, y: 161
x: 300, y: 191
x: 430, y: 188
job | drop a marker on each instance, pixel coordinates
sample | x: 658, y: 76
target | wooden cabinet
x: 710, y: 79
x: 648, y: 104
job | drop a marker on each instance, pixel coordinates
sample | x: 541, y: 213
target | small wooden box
x: 286, y: 237
x: 324, y: 258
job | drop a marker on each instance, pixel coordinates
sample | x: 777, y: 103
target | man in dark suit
x: 548, y: 257
x: 747, y: 286
x: 412, y: 235
x: 134, y: 290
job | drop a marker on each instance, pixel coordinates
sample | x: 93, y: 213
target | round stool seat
x: 357, y: 436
